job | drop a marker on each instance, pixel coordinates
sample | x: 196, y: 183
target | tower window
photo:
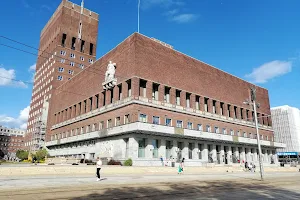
x: 73, y: 43
x: 82, y: 46
x: 91, y: 48
x: 63, y: 40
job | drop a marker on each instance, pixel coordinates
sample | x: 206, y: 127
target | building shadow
x: 195, y: 190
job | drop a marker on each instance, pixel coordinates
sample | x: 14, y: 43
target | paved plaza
x: 217, y: 184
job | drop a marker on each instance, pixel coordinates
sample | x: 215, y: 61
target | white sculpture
x: 110, y: 72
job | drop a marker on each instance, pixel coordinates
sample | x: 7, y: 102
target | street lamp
x: 253, y: 103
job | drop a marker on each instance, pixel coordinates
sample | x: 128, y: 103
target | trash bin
x: 173, y: 164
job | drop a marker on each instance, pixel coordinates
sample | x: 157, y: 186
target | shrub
x: 114, y: 162
x: 22, y: 155
x: 128, y: 162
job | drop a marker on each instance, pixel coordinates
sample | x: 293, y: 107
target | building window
x: 63, y: 53
x: 81, y: 66
x: 217, y: 129
x: 72, y: 55
x: 60, y: 78
x: 199, y: 127
x: 231, y: 132
x: 179, y: 124
x: 191, y: 147
x: 155, y: 91
x: 127, y: 119
x: 224, y: 131
x: 91, y: 48
x: 71, y: 72
x: 155, y: 120
x: 81, y: 58
x: 167, y: 95
x: 238, y: 133
x: 141, y: 151
x: 143, y: 118
x: 189, y: 125
x: 155, y: 148
x: 178, y: 97
x: 63, y: 40
x: 60, y: 69
x: 82, y: 46
x: 245, y: 134
x: 109, y: 123
x: 91, y: 61
x: 168, y: 122
x: 101, y: 125
x: 169, y: 146
x: 118, y: 121
x: 73, y: 43
x: 72, y: 64
x: 208, y: 128
x: 62, y: 60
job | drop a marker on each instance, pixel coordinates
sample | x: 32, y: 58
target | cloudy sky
x: 254, y: 40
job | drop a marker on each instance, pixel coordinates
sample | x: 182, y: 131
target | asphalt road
x: 208, y: 186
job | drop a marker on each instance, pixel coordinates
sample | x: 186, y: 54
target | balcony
x: 161, y: 105
x: 165, y: 131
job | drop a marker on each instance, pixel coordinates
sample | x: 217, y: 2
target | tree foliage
x: 22, y: 154
x: 40, y: 155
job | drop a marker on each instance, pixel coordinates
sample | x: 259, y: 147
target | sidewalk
x: 7, y: 171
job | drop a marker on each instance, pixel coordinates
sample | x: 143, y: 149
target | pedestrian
x: 181, y: 167
x: 162, y: 161
x: 246, y: 165
x: 98, y: 165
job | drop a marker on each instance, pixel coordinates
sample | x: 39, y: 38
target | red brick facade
x: 141, y: 60
x: 53, y: 64
x: 10, y: 144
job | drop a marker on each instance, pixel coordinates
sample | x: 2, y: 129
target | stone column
x: 183, y: 98
x: 229, y: 155
x: 231, y: 111
x: 116, y: 94
x: 238, y: 113
x: 149, y: 149
x: 173, y: 96
x: 225, y: 109
x: 218, y: 107
x: 74, y: 110
x: 162, y: 148
x: 214, y: 153
x: 244, y: 114
x: 94, y: 102
x: 195, y: 154
x: 173, y: 150
x: 209, y: 106
x: 135, y: 86
x: 255, y: 155
x: 201, y: 104
x: 222, y: 155
x: 133, y: 148
x: 100, y: 102
x: 161, y: 93
x: 193, y: 101
x: 205, y: 152
x: 242, y: 155
x: 185, y: 150
x: 149, y: 87
x: 107, y: 97
x: 237, y: 154
x: 125, y: 89
x: 88, y: 105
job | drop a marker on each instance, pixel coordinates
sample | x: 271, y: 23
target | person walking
x: 181, y: 166
x: 98, y: 165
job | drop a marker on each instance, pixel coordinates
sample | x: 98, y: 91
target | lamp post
x: 255, y: 105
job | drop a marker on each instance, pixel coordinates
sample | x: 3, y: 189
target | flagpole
x: 139, y: 2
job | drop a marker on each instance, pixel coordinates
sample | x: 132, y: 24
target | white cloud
x: 145, y: 4
x: 32, y: 67
x: 7, y: 77
x: 184, y: 18
x: 171, y: 12
x: 19, y: 122
x: 270, y: 70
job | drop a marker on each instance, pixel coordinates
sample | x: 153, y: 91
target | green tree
x: 40, y: 154
x: 22, y: 154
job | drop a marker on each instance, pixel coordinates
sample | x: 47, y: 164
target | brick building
x: 11, y: 140
x: 154, y: 101
x: 67, y: 45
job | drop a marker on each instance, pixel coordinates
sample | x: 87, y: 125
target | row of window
x: 156, y: 120
x: 198, y: 102
x: 72, y: 55
x: 61, y: 69
x: 73, y: 43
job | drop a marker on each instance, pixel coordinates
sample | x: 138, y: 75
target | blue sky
x: 254, y: 40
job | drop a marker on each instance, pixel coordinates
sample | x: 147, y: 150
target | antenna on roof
x: 82, y: 4
x: 139, y: 3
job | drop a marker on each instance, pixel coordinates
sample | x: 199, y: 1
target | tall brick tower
x: 67, y: 45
